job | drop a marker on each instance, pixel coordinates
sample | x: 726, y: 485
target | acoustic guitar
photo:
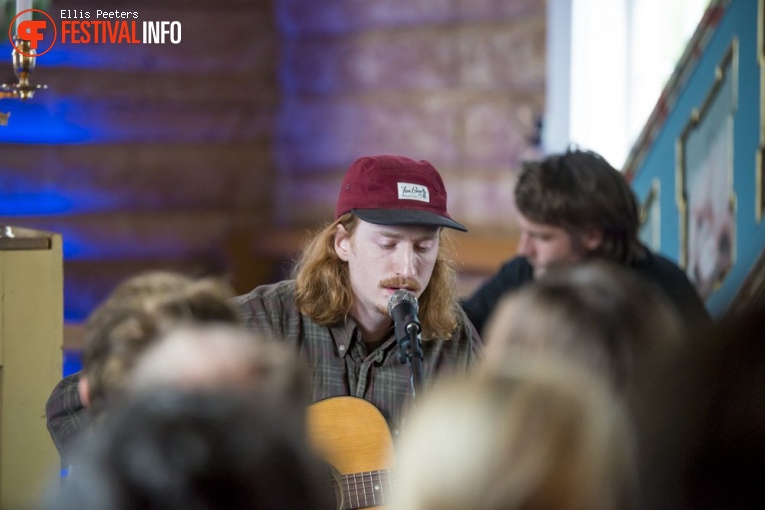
x: 353, y: 437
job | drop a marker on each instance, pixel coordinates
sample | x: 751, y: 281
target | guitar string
x: 378, y: 475
x: 366, y: 503
x: 375, y: 482
x: 371, y: 486
x: 370, y: 482
x: 373, y: 478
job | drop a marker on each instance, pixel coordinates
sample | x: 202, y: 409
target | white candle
x: 23, y: 5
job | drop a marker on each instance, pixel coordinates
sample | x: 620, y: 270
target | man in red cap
x: 389, y: 222
x: 387, y: 235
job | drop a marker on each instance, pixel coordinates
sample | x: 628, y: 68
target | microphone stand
x: 410, y: 351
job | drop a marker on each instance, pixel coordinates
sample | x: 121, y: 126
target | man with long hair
x: 572, y: 207
x: 388, y: 234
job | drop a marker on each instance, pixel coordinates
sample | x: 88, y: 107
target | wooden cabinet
x: 31, y: 335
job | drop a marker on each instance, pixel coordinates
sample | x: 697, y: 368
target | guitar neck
x: 366, y: 489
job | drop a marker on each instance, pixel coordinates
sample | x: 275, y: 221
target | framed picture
x: 650, y: 218
x: 759, y: 185
x: 759, y: 181
x: 706, y: 200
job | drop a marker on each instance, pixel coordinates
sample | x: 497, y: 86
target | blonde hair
x: 323, y: 289
x: 541, y: 437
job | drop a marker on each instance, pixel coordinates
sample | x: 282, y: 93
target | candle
x: 23, y: 5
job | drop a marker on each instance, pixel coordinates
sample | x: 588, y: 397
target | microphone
x: 403, y: 308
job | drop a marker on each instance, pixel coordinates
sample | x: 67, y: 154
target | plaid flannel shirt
x: 65, y: 415
x: 339, y: 360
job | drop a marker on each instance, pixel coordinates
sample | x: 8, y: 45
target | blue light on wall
x: 33, y: 204
x: 72, y: 361
x: 35, y: 122
x: 49, y: 118
x: 43, y: 199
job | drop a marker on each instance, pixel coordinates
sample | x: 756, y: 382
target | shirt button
x: 341, y: 348
x: 395, y: 432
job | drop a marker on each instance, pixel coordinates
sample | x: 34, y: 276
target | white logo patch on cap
x: 408, y: 191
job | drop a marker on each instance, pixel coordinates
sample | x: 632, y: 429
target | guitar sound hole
x: 336, y: 482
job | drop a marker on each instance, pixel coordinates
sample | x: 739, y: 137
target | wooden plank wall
x: 218, y: 154
x: 176, y: 156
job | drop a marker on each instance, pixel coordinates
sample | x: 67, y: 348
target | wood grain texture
x: 351, y: 434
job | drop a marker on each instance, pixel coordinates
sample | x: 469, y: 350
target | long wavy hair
x: 323, y: 287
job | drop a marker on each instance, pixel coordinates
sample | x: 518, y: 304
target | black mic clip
x: 404, y: 335
x: 403, y: 308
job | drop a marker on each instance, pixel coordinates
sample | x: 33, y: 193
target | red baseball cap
x: 395, y: 190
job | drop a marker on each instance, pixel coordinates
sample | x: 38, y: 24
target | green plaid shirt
x: 339, y: 360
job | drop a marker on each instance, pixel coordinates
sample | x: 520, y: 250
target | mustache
x: 401, y: 282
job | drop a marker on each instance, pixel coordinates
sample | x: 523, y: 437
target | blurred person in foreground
x: 208, y: 416
x: 205, y: 357
x: 116, y: 334
x: 176, y: 449
x: 597, y: 314
x: 701, y: 420
x: 538, y: 436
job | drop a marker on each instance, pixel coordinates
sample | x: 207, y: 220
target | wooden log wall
x: 218, y: 154
x: 149, y: 155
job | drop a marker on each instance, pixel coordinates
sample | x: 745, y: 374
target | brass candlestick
x: 23, y: 64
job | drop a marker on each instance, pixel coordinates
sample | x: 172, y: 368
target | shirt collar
x: 347, y: 332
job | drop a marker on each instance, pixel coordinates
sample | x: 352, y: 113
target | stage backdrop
x: 697, y: 166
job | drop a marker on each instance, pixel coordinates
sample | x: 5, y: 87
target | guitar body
x: 352, y: 435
